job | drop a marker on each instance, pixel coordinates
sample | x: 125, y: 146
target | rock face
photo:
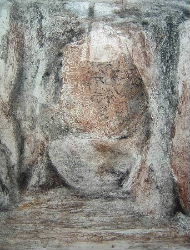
x: 181, y: 141
x: 94, y: 96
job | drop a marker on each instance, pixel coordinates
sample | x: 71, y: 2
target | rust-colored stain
x: 31, y: 204
x: 103, y: 147
x: 100, y: 96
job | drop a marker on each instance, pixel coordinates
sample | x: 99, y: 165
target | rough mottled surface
x: 60, y: 220
x: 181, y: 141
x: 95, y: 100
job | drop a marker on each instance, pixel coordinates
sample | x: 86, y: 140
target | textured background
x: 95, y: 101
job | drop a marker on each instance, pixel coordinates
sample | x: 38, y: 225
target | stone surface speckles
x: 94, y: 112
x: 102, y: 89
x: 181, y: 145
x: 93, y: 165
x: 58, y: 219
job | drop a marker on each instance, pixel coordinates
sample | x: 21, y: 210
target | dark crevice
x: 60, y: 54
x: 121, y: 176
x: 54, y: 179
x: 122, y: 179
x: 91, y: 11
x: 177, y: 203
x: 122, y: 137
x: 17, y: 33
x: 11, y: 190
x: 46, y: 74
x: 40, y: 34
x: 3, y: 187
x: 186, y: 13
x: 23, y: 179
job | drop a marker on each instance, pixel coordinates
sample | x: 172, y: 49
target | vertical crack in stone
x: 40, y: 34
x: 167, y: 39
x: 91, y: 10
x: 16, y: 40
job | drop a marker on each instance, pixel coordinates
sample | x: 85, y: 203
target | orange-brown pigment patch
x: 100, y: 94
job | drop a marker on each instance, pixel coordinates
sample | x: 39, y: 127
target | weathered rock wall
x: 181, y: 152
x: 94, y: 97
